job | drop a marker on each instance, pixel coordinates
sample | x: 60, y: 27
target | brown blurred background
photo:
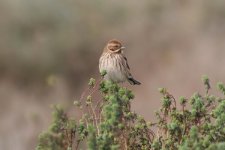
x: 50, y: 48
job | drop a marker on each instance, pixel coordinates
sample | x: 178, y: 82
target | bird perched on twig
x: 115, y: 63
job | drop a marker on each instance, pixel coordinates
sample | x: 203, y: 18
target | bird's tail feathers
x: 132, y: 81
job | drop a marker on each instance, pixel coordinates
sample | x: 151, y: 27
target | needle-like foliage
x: 109, y: 123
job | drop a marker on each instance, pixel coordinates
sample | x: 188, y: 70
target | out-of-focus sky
x: 50, y: 48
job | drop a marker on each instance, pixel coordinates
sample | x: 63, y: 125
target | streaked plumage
x: 115, y: 63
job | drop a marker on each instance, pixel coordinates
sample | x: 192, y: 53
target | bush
x: 110, y: 124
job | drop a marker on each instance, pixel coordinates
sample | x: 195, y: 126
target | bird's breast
x: 113, y: 66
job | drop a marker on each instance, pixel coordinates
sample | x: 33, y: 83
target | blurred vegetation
x: 39, y: 39
x: 56, y: 44
x: 110, y: 124
x: 43, y: 39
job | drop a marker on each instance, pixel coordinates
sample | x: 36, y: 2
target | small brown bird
x: 115, y: 63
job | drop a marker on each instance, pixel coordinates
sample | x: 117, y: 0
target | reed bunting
x: 115, y: 63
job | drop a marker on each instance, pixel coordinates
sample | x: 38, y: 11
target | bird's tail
x: 132, y: 81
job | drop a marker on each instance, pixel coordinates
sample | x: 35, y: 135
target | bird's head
x: 114, y: 46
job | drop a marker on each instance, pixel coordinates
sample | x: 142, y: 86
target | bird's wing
x: 126, y: 62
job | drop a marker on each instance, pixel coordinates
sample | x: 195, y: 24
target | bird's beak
x: 122, y: 48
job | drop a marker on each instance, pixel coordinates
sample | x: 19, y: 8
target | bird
x: 114, y: 62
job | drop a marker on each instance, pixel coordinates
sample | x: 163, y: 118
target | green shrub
x: 110, y: 124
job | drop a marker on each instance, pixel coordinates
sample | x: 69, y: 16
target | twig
x: 78, y: 142
x: 95, y: 117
